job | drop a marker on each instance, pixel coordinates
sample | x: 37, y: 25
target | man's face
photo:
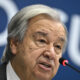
x: 39, y: 53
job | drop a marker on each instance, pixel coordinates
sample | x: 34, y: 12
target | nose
x: 49, y: 53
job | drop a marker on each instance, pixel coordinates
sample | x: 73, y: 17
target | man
x: 36, y: 41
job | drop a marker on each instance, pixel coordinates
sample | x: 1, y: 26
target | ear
x: 13, y: 46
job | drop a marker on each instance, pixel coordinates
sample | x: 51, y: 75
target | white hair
x: 18, y: 24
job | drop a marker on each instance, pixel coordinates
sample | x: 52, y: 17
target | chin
x: 42, y: 76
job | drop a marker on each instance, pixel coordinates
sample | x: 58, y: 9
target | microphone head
x: 63, y: 61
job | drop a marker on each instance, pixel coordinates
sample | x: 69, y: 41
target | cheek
x: 32, y: 53
x: 57, y: 62
x: 33, y: 50
x: 57, y: 58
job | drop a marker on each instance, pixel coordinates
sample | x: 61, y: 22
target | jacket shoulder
x: 3, y: 71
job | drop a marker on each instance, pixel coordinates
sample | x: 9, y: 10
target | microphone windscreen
x: 63, y: 61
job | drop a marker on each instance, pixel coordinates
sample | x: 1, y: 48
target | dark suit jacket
x: 3, y: 71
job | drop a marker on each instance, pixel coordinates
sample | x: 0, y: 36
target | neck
x: 21, y: 72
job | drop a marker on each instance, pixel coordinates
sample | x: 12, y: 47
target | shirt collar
x: 11, y: 75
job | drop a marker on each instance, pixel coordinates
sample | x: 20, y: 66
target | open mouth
x: 45, y: 66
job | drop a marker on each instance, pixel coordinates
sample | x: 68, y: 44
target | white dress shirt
x: 11, y: 75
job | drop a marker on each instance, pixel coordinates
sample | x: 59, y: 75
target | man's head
x: 36, y: 39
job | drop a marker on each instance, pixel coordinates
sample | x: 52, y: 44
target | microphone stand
x: 64, y: 62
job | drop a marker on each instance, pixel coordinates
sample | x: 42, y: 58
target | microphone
x: 65, y: 62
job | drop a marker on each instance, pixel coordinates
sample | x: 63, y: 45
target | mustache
x: 46, y: 59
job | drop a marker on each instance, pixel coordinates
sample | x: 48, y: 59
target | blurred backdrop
x: 70, y: 15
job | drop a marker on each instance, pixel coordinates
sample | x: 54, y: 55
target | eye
x: 58, y: 46
x: 42, y: 41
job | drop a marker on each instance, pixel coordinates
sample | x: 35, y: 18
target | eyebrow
x: 44, y: 34
x: 41, y: 33
x: 62, y: 39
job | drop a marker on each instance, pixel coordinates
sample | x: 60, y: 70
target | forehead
x: 47, y: 26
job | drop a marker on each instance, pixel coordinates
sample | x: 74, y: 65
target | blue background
x: 70, y: 7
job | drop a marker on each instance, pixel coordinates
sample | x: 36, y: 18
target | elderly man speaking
x: 35, y: 43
